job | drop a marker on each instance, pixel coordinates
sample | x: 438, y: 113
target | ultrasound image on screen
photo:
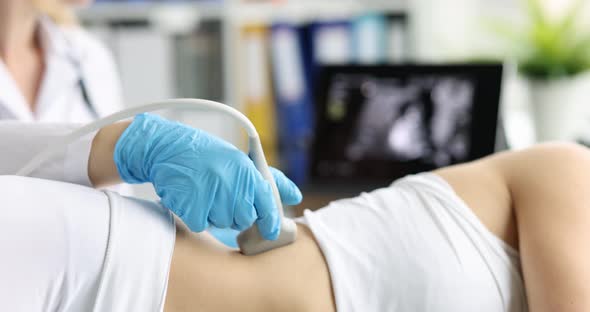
x: 378, y: 123
x: 422, y: 118
x: 382, y: 127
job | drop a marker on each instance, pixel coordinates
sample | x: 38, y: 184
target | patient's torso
x: 410, y: 247
x: 415, y: 247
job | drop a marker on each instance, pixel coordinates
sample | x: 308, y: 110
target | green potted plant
x: 554, y: 56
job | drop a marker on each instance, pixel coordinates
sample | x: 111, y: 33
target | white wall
x: 459, y: 29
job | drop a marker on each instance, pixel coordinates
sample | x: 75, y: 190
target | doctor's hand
x: 201, y: 178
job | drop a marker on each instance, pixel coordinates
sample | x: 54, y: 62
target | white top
x: 415, y: 246
x: 53, y: 244
x: 60, y: 98
x: 67, y: 247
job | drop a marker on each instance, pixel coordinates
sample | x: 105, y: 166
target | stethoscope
x: 75, y: 61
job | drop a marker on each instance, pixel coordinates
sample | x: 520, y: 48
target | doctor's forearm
x: 102, y: 170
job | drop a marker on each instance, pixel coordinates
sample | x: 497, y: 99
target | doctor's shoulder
x: 97, y: 66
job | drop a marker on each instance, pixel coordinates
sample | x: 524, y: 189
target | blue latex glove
x: 201, y: 178
x: 228, y: 237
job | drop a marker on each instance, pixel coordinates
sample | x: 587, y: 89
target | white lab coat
x: 21, y: 141
x: 60, y: 98
x: 59, y: 102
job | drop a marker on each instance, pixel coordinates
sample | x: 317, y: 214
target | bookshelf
x: 106, y: 12
x: 177, y: 18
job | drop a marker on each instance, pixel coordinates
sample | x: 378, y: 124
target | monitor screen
x: 383, y: 122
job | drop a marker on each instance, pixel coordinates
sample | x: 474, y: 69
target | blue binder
x: 293, y: 99
x: 298, y: 51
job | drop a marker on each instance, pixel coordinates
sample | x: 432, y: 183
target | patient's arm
x: 207, y: 276
x: 537, y: 200
x: 102, y: 170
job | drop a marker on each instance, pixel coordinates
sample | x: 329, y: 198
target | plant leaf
x: 517, y: 39
x: 547, y: 49
x: 568, y: 22
x: 580, y: 51
x: 508, y: 31
x: 536, y: 13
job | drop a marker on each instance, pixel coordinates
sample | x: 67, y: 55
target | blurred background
x: 349, y: 95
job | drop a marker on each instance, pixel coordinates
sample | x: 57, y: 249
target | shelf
x: 305, y: 11
x: 105, y: 12
x: 264, y: 12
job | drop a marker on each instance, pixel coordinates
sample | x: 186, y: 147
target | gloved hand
x: 201, y: 178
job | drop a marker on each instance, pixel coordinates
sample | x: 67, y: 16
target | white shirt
x: 60, y: 98
x: 70, y: 248
x: 415, y: 246
x: 22, y: 141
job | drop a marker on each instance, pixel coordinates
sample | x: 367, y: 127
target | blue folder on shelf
x: 293, y: 99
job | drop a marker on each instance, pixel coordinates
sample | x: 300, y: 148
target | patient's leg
x: 538, y: 201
